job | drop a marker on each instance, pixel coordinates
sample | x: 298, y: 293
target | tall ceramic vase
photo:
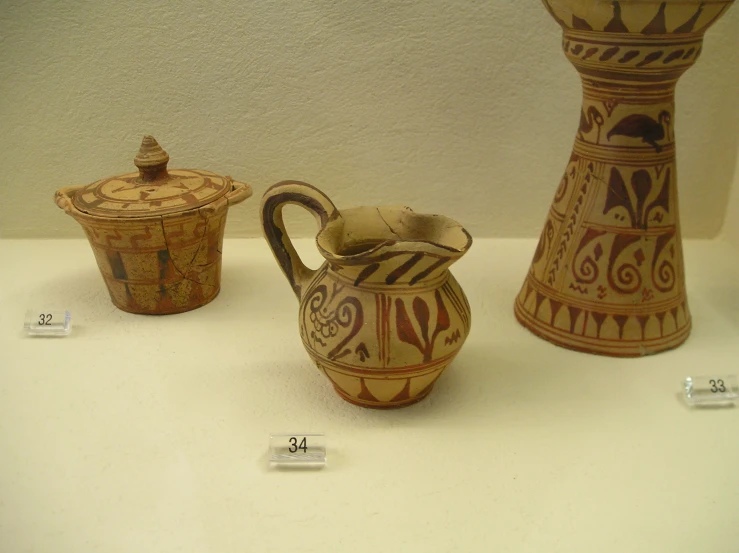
x: 607, y: 276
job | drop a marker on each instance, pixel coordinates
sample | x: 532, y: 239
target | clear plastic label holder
x: 297, y: 451
x: 48, y: 322
x: 711, y: 390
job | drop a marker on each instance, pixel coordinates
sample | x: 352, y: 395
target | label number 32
x: 44, y: 319
x: 295, y: 446
x: 717, y: 386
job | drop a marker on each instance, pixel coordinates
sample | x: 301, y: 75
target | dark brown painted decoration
x: 383, y: 317
x: 616, y: 25
x: 428, y: 270
x: 403, y: 269
x: 644, y: 127
x: 607, y: 275
x: 657, y: 26
x: 580, y: 24
x: 156, y: 260
x: 367, y: 272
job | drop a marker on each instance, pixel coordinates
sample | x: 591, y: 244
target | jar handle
x: 63, y: 198
x: 239, y: 192
x: 275, y: 198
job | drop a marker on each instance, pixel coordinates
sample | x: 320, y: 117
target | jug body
x: 383, y: 345
x: 383, y: 316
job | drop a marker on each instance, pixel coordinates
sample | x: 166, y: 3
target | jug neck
x: 391, y: 246
x: 394, y: 269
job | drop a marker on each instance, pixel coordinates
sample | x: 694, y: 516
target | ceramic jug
x: 383, y: 316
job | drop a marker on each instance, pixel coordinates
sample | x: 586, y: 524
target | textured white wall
x: 467, y: 109
x: 731, y: 227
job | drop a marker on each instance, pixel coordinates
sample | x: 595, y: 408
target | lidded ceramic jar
x: 157, y: 234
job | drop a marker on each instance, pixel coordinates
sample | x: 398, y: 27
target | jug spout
x: 392, y: 245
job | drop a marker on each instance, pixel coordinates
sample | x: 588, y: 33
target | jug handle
x: 275, y: 198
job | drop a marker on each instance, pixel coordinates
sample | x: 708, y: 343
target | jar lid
x: 153, y: 190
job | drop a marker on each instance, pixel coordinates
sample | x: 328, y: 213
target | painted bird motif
x: 638, y: 125
x: 588, y: 120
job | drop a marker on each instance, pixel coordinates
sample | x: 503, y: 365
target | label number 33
x: 717, y: 386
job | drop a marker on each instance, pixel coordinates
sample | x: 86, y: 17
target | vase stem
x: 607, y: 276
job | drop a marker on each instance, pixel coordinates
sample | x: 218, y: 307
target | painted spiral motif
x: 624, y: 276
x: 585, y: 266
x: 664, y: 276
x: 323, y: 324
x: 328, y: 319
x: 587, y: 271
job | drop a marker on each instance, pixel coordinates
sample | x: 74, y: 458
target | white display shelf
x: 141, y: 433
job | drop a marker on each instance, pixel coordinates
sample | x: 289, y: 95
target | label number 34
x: 717, y: 386
x: 295, y: 446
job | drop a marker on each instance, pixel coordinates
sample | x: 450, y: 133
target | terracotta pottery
x: 383, y: 316
x: 157, y: 234
x: 607, y: 276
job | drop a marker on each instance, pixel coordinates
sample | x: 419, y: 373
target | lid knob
x: 151, y: 160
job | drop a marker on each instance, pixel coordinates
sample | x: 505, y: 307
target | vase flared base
x: 592, y: 331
